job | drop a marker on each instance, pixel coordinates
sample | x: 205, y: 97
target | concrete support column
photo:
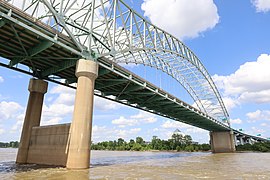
x: 81, y: 126
x: 235, y: 139
x: 241, y: 141
x: 37, y: 89
x: 222, y: 142
x: 249, y: 141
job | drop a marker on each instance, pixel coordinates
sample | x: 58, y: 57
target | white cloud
x: 18, y: 125
x: 230, y: 103
x: 174, y: 124
x: 1, y: 79
x: 162, y: 133
x: 55, y: 109
x: 262, y: 96
x: 2, y: 131
x: 182, y: 18
x: 59, y: 107
x: 215, y: 112
x: 140, y: 118
x: 51, y: 121
x: 236, y: 121
x: 105, y: 105
x: 193, y: 129
x: 65, y: 95
x: 9, y: 110
x: 145, y: 117
x: 256, y: 130
x: 185, y: 127
x: 265, y: 125
x: 258, y: 115
x: 197, y: 134
x: 135, y: 130
x: 103, y: 133
x: 122, y: 122
x: 61, y: 89
x: 250, y: 83
x: 261, y: 5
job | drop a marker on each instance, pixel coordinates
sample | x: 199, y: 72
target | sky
x: 230, y: 37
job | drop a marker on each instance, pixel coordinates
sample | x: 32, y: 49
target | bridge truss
x: 98, y: 29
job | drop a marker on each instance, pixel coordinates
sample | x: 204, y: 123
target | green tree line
x: 178, y: 142
x: 12, y: 144
x: 259, y: 146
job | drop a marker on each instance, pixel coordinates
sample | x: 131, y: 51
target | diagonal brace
x: 43, y: 45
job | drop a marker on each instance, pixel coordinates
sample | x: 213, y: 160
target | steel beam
x: 59, y: 67
x: 105, y: 84
x: 133, y: 87
x: 43, y: 45
x: 103, y: 71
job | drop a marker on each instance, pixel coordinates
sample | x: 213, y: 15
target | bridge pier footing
x: 222, y: 142
x: 37, y: 89
x: 64, y: 145
x: 81, y: 127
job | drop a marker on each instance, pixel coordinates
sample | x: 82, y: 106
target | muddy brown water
x: 146, y: 165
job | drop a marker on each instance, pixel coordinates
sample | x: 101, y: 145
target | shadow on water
x: 11, y: 166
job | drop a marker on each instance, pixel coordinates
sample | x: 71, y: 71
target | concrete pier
x: 222, y: 142
x: 81, y: 126
x: 241, y: 140
x: 37, y: 89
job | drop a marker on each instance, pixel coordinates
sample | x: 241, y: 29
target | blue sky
x: 230, y: 37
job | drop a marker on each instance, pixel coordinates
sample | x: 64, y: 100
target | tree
x: 120, y: 141
x: 177, y: 142
x: 136, y: 147
x: 131, y: 141
x: 156, y: 143
x: 189, y: 148
x: 139, y: 140
x: 205, y: 147
x: 177, y: 138
x: 187, y: 139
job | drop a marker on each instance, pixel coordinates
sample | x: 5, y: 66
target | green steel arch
x: 111, y: 29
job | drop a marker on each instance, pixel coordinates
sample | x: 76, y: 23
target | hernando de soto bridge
x: 79, y: 43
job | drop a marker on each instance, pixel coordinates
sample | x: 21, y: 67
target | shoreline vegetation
x: 256, y: 147
x: 178, y: 143
x: 11, y: 144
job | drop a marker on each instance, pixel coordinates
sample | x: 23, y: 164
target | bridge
x: 80, y: 44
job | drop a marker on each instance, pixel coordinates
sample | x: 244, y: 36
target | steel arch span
x: 112, y: 29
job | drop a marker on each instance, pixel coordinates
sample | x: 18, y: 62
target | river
x: 146, y: 165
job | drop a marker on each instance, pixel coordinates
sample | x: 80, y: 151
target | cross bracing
x: 96, y: 29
